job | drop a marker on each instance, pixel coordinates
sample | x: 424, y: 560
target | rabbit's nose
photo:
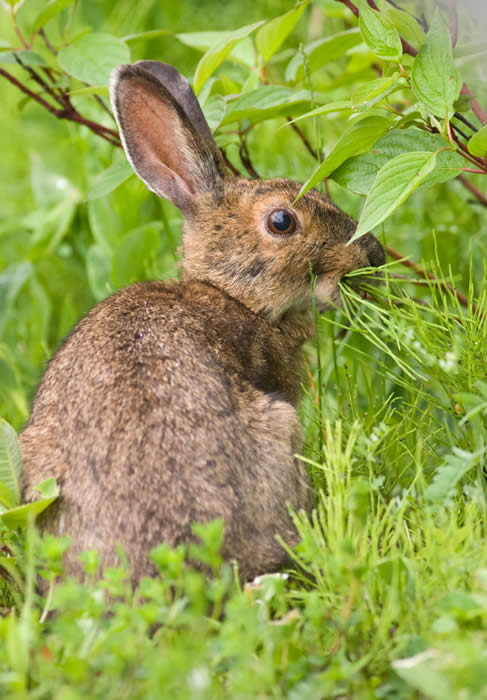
x: 375, y: 251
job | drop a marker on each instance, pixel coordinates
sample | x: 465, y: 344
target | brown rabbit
x: 175, y: 402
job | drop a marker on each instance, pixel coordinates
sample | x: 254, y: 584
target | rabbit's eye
x: 281, y: 222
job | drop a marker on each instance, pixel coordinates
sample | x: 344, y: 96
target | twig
x: 230, y: 165
x: 458, y: 130
x: 71, y: 114
x: 463, y: 119
x: 407, y: 262
x: 37, y: 78
x: 476, y: 108
x: 245, y: 158
x: 466, y: 153
x: 303, y: 138
x: 51, y: 48
x: 477, y: 193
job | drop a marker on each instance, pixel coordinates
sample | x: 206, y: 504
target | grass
x: 389, y: 596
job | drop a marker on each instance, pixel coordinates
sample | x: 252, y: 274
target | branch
x: 68, y: 113
x: 477, y: 193
x: 303, y: 138
x: 230, y: 165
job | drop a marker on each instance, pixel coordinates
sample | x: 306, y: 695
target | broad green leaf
x: 477, y: 144
x: 243, y: 52
x: 264, y: 103
x: 339, y: 106
x: 358, y: 138
x: 455, y: 466
x: 357, y: 174
x: 110, y: 179
x: 321, y: 52
x: 105, y: 223
x: 19, y: 516
x: 434, y: 78
x: 11, y: 282
x: 406, y: 25
x: 214, y: 110
x: 217, y: 54
x: 52, y: 9
x: 54, y: 225
x: 133, y: 252
x: 270, y: 37
x: 10, y: 466
x: 395, y: 181
x: 29, y: 58
x: 92, y: 90
x: 370, y: 94
x: 202, y: 41
x: 151, y: 34
x: 425, y: 672
x: 379, y: 33
x: 93, y: 57
x: 98, y: 265
x: 48, y: 488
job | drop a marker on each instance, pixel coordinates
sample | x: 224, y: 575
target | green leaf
x: 92, y: 90
x: 48, y: 488
x: 358, y: 138
x: 264, y: 103
x: 93, y: 57
x: 270, y: 37
x: 29, y: 58
x: 151, y: 34
x: 477, y: 144
x: 19, y: 517
x: 52, y: 9
x: 375, y: 90
x: 108, y: 180
x: 55, y: 224
x: 379, y: 33
x: 214, y: 111
x: 217, y: 54
x: 395, y: 181
x: 133, y: 252
x: 444, y: 483
x: 11, y: 282
x: 321, y: 52
x: 338, y: 106
x: 10, y: 465
x: 425, y: 673
x: 434, y: 78
x: 98, y: 265
x: 406, y: 25
x: 357, y: 174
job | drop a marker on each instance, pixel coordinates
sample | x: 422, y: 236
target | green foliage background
x: 391, y: 600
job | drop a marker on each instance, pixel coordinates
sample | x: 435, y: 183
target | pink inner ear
x: 157, y: 141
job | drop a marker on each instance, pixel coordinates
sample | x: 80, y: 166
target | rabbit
x: 175, y: 402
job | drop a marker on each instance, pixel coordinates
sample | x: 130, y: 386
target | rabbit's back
x: 163, y: 408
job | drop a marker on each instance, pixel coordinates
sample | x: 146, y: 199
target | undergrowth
x: 389, y: 594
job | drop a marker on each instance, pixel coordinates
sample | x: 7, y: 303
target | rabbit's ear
x: 164, y: 133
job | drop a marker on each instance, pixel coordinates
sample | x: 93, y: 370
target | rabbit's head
x: 246, y: 237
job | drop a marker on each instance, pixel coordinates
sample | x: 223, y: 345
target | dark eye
x: 281, y: 222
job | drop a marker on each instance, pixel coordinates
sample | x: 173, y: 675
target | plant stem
x: 407, y: 262
x: 477, y: 193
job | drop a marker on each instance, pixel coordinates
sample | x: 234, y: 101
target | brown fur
x: 173, y: 403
